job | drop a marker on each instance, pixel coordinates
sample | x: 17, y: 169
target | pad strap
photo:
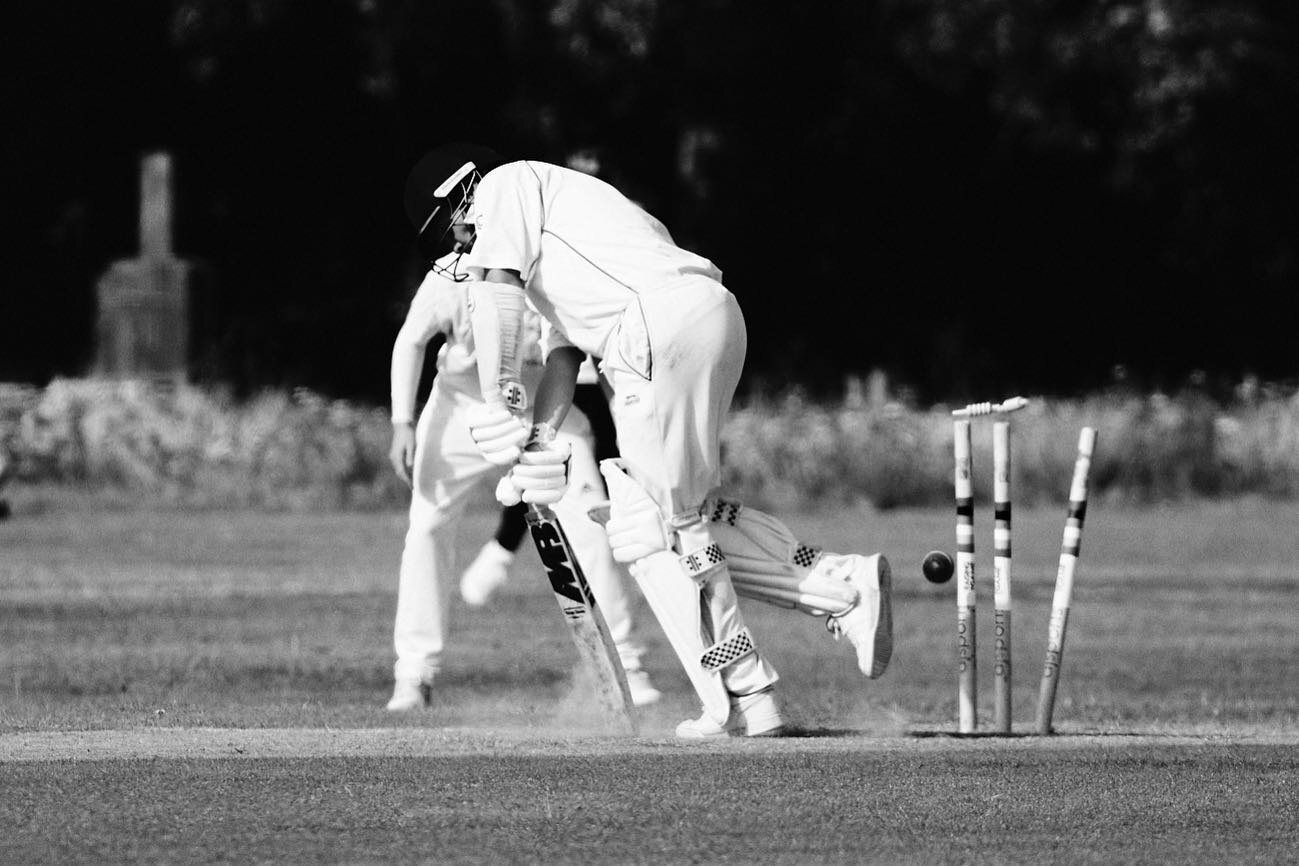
x: 728, y: 652
x: 703, y: 562
x: 718, y: 510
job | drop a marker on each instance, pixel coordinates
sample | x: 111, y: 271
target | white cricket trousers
x: 669, y: 419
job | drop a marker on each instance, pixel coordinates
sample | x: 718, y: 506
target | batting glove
x: 540, y: 477
x: 635, y: 528
x: 498, y: 432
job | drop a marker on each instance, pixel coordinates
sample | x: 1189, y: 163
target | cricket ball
x: 937, y: 567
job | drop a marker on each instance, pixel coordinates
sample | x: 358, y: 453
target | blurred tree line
x: 975, y: 196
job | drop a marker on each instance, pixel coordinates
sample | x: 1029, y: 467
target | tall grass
x: 197, y: 446
x: 282, y: 449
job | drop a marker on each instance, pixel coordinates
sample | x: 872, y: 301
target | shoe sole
x: 742, y: 728
x: 778, y: 731
x: 720, y: 735
x: 883, y: 646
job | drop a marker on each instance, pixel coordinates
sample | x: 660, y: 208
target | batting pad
x: 768, y: 564
x: 677, y: 602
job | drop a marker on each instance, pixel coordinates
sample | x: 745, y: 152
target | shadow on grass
x: 826, y: 733
x: 1033, y: 735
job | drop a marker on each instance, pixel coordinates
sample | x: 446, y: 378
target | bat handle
x: 538, y: 513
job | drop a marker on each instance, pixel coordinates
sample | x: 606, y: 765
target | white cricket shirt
x: 584, y: 250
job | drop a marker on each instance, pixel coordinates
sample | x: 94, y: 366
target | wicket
x: 974, y: 410
x: 966, y: 656
x: 1001, y: 575
x: 1070, y: 546
x: 966, y: 639
x: 966, y: 596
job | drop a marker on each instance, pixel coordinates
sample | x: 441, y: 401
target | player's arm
x: 558, y: 384
x: 425, y: 319
x: 507, y: 220
x: 496, y: 313
x: 541, y: 475
x: 497, y: 310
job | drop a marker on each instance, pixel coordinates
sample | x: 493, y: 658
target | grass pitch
x: 208, y: 686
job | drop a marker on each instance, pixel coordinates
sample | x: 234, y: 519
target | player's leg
x: 768, y: 564
x: 668, y: 415
x: 591, y: 546
x: 851, y: 590
x: 490, y: 568
x: 593, y: 402
x: 447, y: 466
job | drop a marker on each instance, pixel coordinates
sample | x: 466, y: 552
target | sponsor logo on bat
x: 560, y: 568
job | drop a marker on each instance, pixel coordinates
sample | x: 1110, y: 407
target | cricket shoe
x: 868, y: 624
x: 642, y: 690
x: 755, y: 715
x: 410, y: 695
x: 486, y: 574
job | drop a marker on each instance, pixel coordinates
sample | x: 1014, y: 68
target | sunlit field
x: 206, y: 685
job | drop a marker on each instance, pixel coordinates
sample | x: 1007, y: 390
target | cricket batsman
x: 613, y: 284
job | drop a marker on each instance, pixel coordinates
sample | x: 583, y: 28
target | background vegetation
x: 282, y: 449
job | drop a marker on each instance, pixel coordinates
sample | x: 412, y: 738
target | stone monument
x: 142, y: 331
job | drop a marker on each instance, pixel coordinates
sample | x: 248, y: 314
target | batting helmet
x: 441, y: 185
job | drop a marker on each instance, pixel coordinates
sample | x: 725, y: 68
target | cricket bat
x: 585, y: 621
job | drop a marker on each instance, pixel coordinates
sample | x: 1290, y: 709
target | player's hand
x: 401, y: 454
x: 498, y: 432
x: 541, y: 475
x: 506, y: 493
x: 635, y: 527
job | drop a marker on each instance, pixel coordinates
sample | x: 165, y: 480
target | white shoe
x: 410, y: 695
x: 486, y: 574
x: 755, y: 715
x: 868, y: 624
x: 642, y: 690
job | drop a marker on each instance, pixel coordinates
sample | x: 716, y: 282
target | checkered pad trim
x: 722, y: 511
x: 805, y: 555
x: 702, y: 561
x: 728, y: 652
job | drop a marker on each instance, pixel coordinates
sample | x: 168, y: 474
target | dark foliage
x: 978, y: 197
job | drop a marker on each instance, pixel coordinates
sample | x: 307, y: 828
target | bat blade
x: 585, y: 621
